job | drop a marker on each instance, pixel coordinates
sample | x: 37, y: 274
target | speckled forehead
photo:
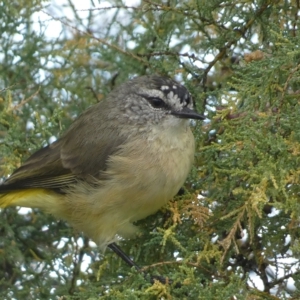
x: 176, y: 94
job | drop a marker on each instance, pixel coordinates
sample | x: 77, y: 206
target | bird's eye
x: 156, y: 102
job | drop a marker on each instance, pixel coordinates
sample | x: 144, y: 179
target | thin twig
x: 102, y: 41
x: 24, y: 101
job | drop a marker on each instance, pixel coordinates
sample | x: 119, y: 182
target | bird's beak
x: 187, y: 113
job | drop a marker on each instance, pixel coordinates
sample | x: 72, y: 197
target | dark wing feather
x: 80, y: 154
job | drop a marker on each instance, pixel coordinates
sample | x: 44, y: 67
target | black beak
x: 187, y: 113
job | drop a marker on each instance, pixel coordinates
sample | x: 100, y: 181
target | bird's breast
x: 158, y: 168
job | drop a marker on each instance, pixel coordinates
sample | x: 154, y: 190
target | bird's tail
x: 34, y: 198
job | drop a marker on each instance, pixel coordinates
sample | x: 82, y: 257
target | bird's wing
x: 81, y: 153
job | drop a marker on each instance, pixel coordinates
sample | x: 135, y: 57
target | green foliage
x: 240, y: 212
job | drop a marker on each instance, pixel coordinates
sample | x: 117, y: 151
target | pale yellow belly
x: 139, y: 184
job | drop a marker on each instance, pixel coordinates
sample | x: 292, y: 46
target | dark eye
x: 156, y: 102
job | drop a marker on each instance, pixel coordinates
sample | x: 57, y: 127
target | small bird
x: 119, y: 162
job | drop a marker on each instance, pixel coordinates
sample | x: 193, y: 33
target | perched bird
x: 119, y: 162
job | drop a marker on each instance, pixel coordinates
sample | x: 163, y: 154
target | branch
x: 102, y: 41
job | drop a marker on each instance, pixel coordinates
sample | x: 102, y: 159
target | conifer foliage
x: 233, y: 233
